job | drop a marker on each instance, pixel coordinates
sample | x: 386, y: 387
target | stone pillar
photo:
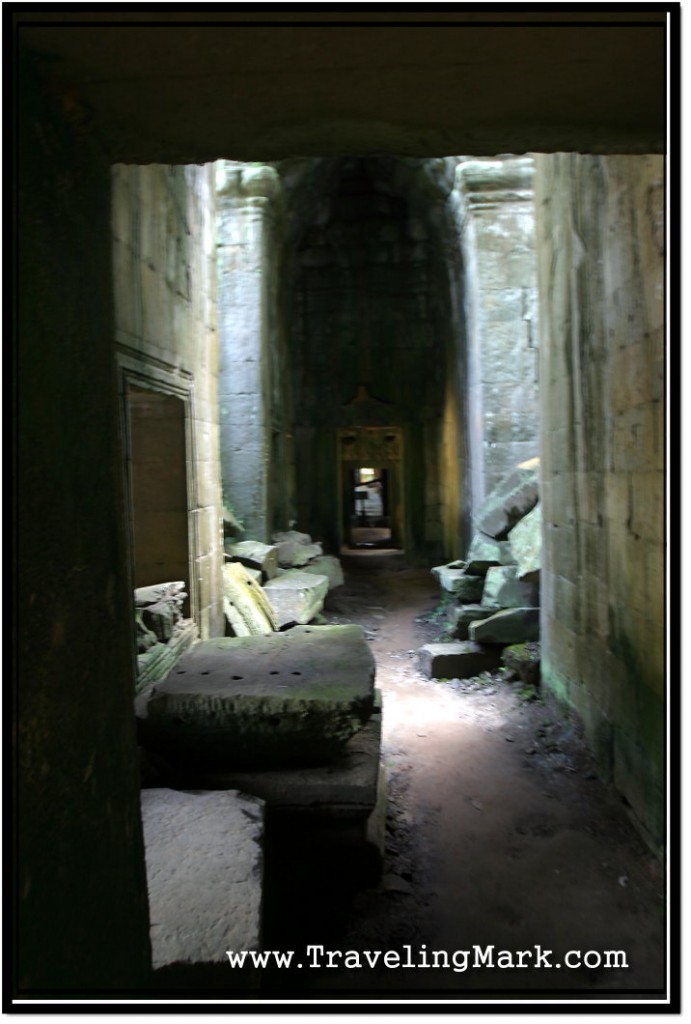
x: 246, y: 207
x: 497, y: 226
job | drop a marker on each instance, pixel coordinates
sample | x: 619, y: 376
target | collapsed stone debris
x: 493, y: 596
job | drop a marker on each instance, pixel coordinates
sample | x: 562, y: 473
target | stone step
x: 204, y: 866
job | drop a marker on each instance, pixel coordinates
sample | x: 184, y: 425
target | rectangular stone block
x: 456, y: 660
x: 503, y: 589
x: 454, y: 580
x: 460, y: 616
x: 508, y: 626
x: 296, y: 596
x: 255, y: 555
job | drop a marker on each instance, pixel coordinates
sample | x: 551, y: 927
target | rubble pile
x: 493, y: 596
x: 271, y: 587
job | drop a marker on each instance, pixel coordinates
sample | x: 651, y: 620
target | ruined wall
x: 371, y: 339
x: 497, y: 229
x: 600, y: 244
x: 164, y: 254
x: 80, y: 885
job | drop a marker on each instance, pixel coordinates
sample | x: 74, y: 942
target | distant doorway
x: 372, y: 514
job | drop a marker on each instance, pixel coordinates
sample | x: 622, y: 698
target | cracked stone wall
x: 165, y: 293
x: 600, y: 244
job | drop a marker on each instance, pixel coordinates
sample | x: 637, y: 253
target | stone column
x: 246, y: 206
x: 497, y: 224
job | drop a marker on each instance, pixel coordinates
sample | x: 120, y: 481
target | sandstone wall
x: 600, y: 244
x: 164, y: 252
x: 497, y: 233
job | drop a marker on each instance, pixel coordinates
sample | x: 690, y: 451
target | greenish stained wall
x: 600, y: 246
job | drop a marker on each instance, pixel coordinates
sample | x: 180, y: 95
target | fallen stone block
x: 326, y: 565
x: 296, y: 597
x: 160, y: 592
x: 524, y: 661
x: 460, y: 616
x: 295, y: 549
x: 255, y: 555
x: 454, y: 580
x: 204, y: 867
x: 513, y: 497
x: 285, y: 699
x: 245, y: 603
x: 508, y: 626
x: 526, y: 544
x: 486, y: 551
x: 456, y: 660
x: 503, y: 589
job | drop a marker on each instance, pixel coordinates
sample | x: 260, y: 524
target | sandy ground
x: 498, y: 833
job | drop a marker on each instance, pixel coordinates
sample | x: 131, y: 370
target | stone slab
x: 526, y: 543
x: 459, y: 659
x: 296, y: 549
x: 508, y: 626
x: 292, y: 698
x: 296, y: 597
x: 503, y: 589
x: 346, y: 788
x: 204, y: 869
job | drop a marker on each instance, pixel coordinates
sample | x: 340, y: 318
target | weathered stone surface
x: 488, y: 551
x: 159, y: 592
x: 160, y: 618
x: 157, y: 660
x: 460, y: 616
x: 146, y: 638
x: 526, y: 543
x: 456, y: 581
x: 504, y: 590
x: 296, y: 549
x: 244, y: 599
x: 296, y: 597
x: 456, y: 660
x: 255, y: 555
x: 329, y: 566
x: 508, y: 626
x: 268, y: 701
x: 513, y: 497
x: 204, y: 867
x: 524, y: 661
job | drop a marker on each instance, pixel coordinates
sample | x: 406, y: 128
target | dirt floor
x: 498, y: 833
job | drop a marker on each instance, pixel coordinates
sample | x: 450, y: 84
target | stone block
x: 524, y: 661
x: 285, y: 699
x: 503, y: 589
x: 204, y: 867
x: 255, y: 555
x: 487, y: 551
x: 295, y: 549
x: 456, y: 660
x: 454, y: 580
x: 160, y: 618
x: 460, y: 616
x: 296, y: 597
x: 526, y: 543
x: 513, y: 497
x: 508, y: 626
x: 326, y: 565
